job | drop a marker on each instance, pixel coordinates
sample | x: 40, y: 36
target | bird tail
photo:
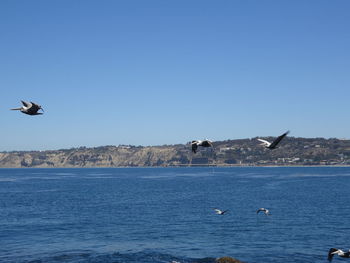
x: 16, y: 109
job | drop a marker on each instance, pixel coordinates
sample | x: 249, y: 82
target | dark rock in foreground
x: 213, y: 260
x: 228, y: 260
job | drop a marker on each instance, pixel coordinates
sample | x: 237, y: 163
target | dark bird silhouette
x: 205, y: 143
x: 339, y: 252
x: 274, y: 144
x: 266, y: 211
x: 30, y: 108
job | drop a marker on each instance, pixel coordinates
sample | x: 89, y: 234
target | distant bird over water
x: 205, y: 143
x: 30, y: 108
x: 220, y: 212
x: 266, y: 211
x: 274, y: 144
x: 339, y: 252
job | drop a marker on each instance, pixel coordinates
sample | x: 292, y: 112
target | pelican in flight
x: 205, y: 143
x: 266, y: 211
x: 220, y: 212
x: 30, y: 108
x: 273, y: 145
x: 339, y: 252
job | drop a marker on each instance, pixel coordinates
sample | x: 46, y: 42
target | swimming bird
x: 339, y: 252
x: 205, y: 143
x: 273, y: 145
x: 266, y: 211
x: 220, y: 212
x: 30, y: 108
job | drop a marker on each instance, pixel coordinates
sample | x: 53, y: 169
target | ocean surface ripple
x: 166, y: 214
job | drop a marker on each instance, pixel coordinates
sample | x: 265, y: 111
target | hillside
x: 292, y: 151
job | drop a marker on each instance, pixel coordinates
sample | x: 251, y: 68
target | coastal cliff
x: 243, y: 152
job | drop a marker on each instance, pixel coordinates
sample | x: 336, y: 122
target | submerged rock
x: 228, y: 260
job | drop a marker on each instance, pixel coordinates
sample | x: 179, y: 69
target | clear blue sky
x: 165, y: 72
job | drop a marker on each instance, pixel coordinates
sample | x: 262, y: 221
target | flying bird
x: 220, y: 212
x: 274, y: 144
x: 339, y: 252
x: 30, y: 108
x: 205, y: 143
x: 266, y: 211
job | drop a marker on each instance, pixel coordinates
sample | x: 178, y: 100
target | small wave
x: 47, y: 190
x: 8, y: 179
x: 93, y: 257
x: 99, y: 177
x: 29, y: 178
x: 100, y: 174
x: 166, y: 176
x: 319, y: 175
x: 41, y: 178
x: 70, y: 174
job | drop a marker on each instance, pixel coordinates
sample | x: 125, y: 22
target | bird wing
x: 33, y: 109
x: 330, y: 257
x: 35, y: 106
x: 339, y: 252
x: 26, y: 104
x: 260, y: 209
x: 206, y: 143
x: 279, y: 138
x: 331, y: 253
x: 265, y: 142
x: 210, y: 143
x: 194, y: 146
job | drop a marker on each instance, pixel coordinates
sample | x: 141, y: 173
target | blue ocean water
x: 166, y: 214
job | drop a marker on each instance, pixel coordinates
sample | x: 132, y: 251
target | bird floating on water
x: 30, y: 108
x: 204, y: 143
x: 339, y: 252
x: 266, y: 211
x: 220, y: 212
x: 274, y: 144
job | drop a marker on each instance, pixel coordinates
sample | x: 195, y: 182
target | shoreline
x: 183, y: 166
